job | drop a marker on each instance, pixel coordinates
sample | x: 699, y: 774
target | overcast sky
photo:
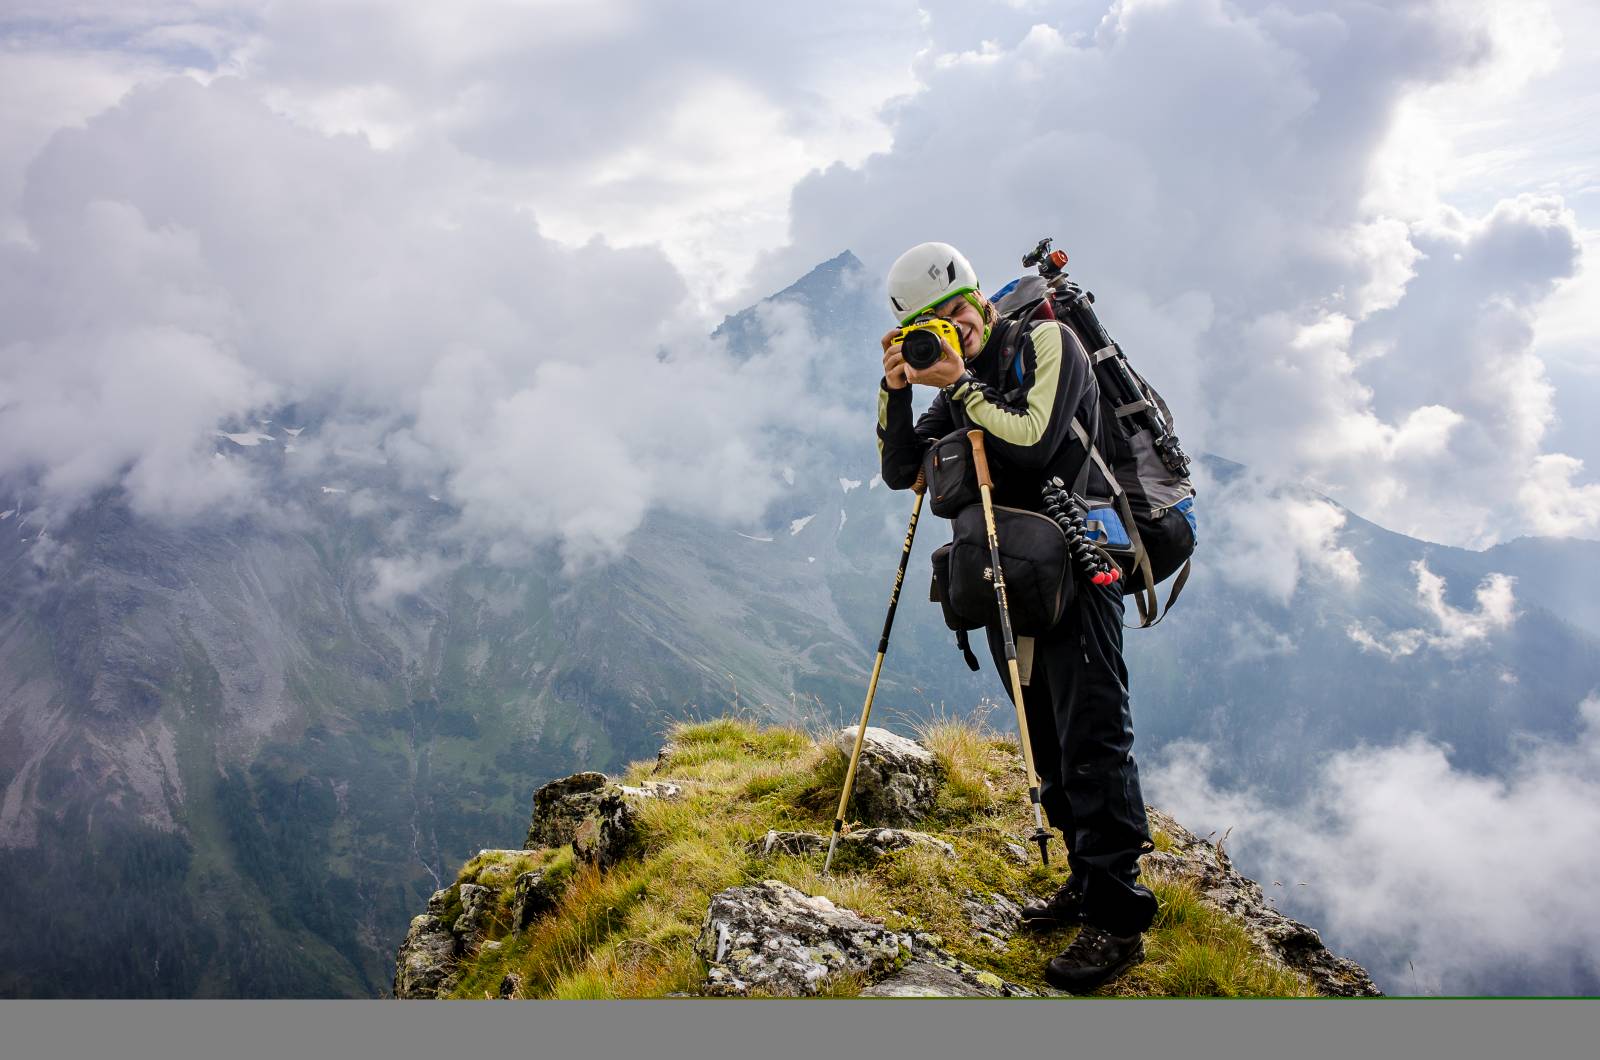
x: 1347, y: 239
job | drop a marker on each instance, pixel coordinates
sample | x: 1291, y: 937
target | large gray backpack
x: 1148, y: 524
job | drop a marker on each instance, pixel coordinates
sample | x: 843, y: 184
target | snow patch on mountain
x: 247, y: 439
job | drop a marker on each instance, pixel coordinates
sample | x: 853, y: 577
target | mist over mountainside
x: 253, y: 749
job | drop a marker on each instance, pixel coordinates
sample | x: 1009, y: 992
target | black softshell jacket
x: 1025, y: 409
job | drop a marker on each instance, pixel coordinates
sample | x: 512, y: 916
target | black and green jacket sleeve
x: 901, y: 444
x: 1029, y: 426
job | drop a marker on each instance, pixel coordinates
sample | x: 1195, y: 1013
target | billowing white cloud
x: 1270, y: 537
x: 196, y: 258
x: 1496, y: 610
x: 1225, y: 177
x: 1439, y: 880
x: 1279, y: 216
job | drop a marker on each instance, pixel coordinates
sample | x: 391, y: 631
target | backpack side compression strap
x: 1148, y: 602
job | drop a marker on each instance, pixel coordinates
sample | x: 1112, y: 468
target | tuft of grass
x: 630, y: 932
x: 965, y: 752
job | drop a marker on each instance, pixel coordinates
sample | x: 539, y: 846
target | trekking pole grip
x: 921, y: 484
x: 980, y: 460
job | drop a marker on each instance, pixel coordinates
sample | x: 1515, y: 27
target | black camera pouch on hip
x: 951, y: 475
x: 1033, y: 558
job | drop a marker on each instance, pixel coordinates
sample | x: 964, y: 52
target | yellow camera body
x: 920, y: 341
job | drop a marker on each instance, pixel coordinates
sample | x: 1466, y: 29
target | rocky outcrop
x: 609, y: 833
x: 652, y: 789
x: 424, y: 966
x: 994, y: 918
x: 561, y: 806
x: 1291, y: 943
x: 533, y: 895
x: 477, y: 902
x: 772, y: 939
x: 869, y: 842
x: 897, y: 780
x: 934, y: 973
x: 594, y: 815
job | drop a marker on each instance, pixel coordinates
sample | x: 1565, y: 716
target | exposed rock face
x: 534, y: 895
x: 897, y: 780
x: 561, y: 806
x: 477, y: 903
x: 934, y: 973
x: 871, y: 842
x: 426, y: 961
x: 1292, y: 943
x: 772, y: 939
x: 609, y: 834
x: 994, y: 919
x: 510, y: 985
x: 652, y: 789
x: 664, y: 756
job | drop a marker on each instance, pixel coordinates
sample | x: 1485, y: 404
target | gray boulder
x: 1291, y: 943
x: 664, y: 756
x: 934, y: 973
x: 477, y: 905
x: 896, y: 781
x: 870, y: 842
x: 534, y: 894
x: 994, y: 918
x: 608, y: 834
x: 425, y: 965
x: 652, y: 789
x: 561, y: 806
x: 511, y: 985
x: 772, y: 939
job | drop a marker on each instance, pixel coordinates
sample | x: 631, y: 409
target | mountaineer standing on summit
x: 1076, y: 697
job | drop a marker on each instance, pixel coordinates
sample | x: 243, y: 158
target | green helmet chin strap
x: 977, y: 303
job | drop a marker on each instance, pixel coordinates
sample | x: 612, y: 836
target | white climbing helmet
x: 927, y: 274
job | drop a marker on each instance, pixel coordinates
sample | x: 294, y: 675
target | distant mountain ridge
x: 260, y: 772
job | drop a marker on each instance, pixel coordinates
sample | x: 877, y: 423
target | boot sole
x: 1086, y: 985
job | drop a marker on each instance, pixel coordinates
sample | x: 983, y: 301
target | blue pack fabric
x: 1110, y: 533
x: 1186, y: 506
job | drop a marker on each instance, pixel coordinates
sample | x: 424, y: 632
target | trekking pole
x: 919, y: 488
x: 980, y: 462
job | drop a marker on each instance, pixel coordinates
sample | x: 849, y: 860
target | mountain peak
x: 706, y: 889
x: 825, y: 287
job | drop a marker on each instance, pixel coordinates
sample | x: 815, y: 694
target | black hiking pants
x: 1081, y: 732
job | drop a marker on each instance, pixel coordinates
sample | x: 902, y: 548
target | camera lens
x: 921, y: 349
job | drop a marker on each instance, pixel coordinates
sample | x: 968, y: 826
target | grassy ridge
x: 630, y: 932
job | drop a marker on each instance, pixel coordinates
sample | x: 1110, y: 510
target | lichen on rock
x: 424, y: 966
x: 870, y: 843
x: 561, y: 806
x: 1294, y: 945
x: 772, y: 939
x: 897, y: 780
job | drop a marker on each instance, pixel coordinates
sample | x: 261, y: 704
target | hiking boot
x: 1094, y: 958
x: 1065, y: 909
